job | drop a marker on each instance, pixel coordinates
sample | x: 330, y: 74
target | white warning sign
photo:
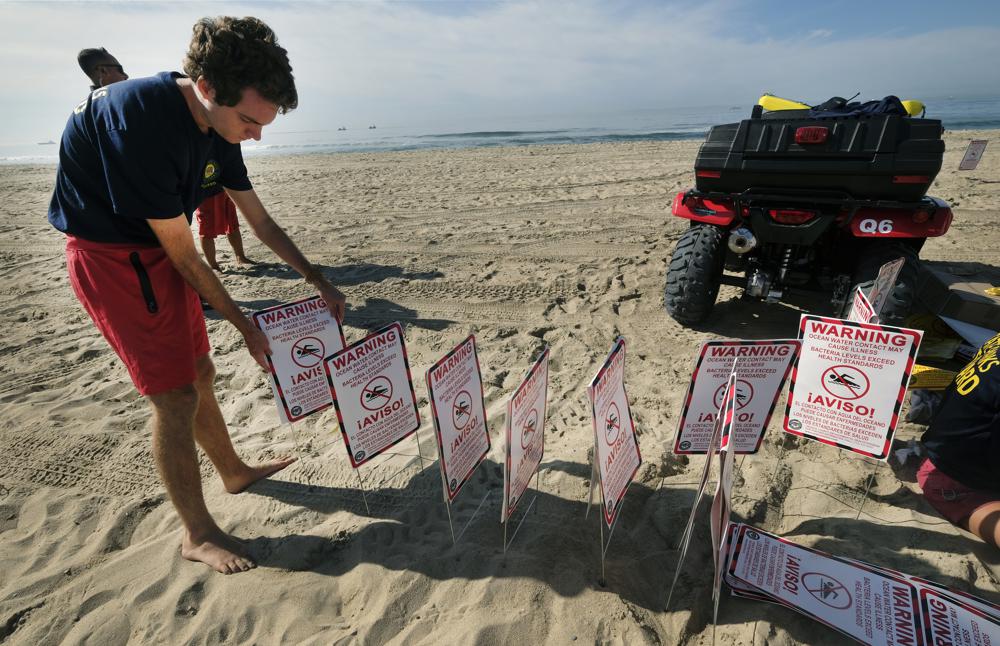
x: 861, y: 310
x: 373, y: 393
x: 302, y: 334
x: 455, y: 386
x: 973, y: 154
x: 616, y: 449
x: 525, y: 429
x: 870, y: 605
x: 849, y: 382
x: 884, y: 284
x: 949, y: 621
x: 761, y: 370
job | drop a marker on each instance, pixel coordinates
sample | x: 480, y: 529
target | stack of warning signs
x: 870, y: 604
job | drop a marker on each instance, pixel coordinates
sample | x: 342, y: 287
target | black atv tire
x: 693, y: 274
x: 899, y: 304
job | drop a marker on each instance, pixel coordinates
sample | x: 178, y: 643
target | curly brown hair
x: 236, y: 53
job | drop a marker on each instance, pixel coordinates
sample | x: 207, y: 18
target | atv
x: 798, y: 200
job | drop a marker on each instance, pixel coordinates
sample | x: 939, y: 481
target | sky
x: 435, y: 63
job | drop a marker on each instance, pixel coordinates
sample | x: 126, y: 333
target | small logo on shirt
x: 211, y: 174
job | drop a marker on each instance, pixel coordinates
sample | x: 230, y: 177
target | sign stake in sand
x: 525, y: 433
x: 720, y: 511
x: 373, y: 395
x: 616, y: 450
x: 455, y: 389
x: 714, y: 442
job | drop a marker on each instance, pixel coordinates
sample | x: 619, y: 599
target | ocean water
x: 638, y: 125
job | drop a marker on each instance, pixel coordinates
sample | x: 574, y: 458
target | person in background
x: 961, y: 476
x: 217, y: 216
x: 100, y: 67
x: 132, y: 161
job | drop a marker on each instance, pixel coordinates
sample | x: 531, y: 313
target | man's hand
x: 258, y: 346
x: 335, y: 299
x: 268, y: 232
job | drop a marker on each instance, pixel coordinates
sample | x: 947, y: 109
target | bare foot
x: 239, y: 483
x: 219, y: 551
x: 243, y: 260
x: 216, y: 267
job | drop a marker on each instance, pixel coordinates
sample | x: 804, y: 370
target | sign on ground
x: 302, y: 334
x: 616, y: 449
x: 761, y: 370
x: 455, y: 386
x: 373, y: 393
x: 525, y: 429
x: 848, y: 383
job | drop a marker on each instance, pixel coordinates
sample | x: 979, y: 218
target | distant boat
x: 341, y: 128
x: 371, y: 127
x: 47, y: 143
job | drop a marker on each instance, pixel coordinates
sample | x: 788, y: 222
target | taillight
x: 811, y: 135
x: 920, y: 216
x: 791, y: 216
x: 708, y: 173
x: 911, y: 179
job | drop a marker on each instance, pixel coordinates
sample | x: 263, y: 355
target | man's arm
x: 175, y: 236
x: 268, y: 232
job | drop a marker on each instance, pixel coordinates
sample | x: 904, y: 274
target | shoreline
x: 992, y: 134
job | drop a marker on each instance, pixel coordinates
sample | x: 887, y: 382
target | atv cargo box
x: 879, y: 156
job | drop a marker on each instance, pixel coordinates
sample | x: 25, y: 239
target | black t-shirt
x: 963, y: 439
x: 131, y: 152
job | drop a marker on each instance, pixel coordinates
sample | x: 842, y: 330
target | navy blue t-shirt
x: 963, y: 439
x: 131, y: 152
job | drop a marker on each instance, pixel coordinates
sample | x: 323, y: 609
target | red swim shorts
x: 148, y: 313
x: 951, y: 498
x: 216, y: 216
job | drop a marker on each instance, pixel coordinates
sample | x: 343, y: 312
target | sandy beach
x: 558, y: 245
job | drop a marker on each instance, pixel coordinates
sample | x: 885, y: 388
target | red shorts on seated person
x: 147, y: 312
x: 951, y: 498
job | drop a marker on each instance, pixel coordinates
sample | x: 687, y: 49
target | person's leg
x: 236, y: 240
x: 177, y: 463
x: 212, y: 435
x: 985, y: 523
x: 208, y: 248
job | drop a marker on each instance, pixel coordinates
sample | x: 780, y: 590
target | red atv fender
x: 928, y: 221
x: 700, y: 209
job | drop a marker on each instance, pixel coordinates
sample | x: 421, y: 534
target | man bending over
x: 131, y: 165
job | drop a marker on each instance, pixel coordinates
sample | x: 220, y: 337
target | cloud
x: 402, y: 63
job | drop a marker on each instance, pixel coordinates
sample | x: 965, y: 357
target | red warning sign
x: 871, y: 605
x: 615, y: 446
x: 761, y: 369
x: 848, y: 383
x: 455, y: 386
x: 373, y: 393
x: 302, y: 334
x: 525, y: 434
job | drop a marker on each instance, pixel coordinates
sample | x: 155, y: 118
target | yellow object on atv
x: 773, y: 103
x: 913, y: 107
